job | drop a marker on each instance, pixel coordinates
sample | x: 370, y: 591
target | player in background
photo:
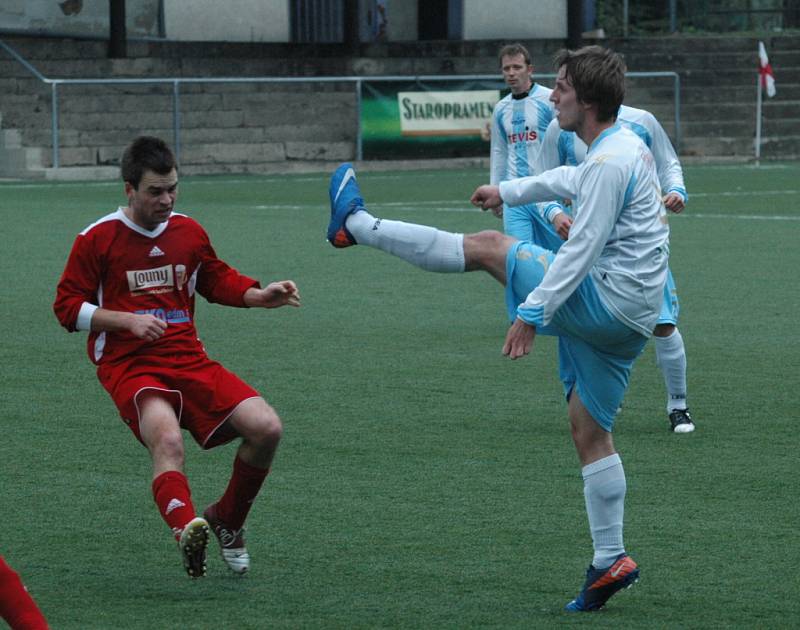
x: 559, y: 148
x: 131, y: 282
x: 600, y: 293
x: 519, y: 122
x: 17, y: 607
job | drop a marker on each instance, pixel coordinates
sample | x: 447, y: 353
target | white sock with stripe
x: 421, y: 245
x: 671, y: 359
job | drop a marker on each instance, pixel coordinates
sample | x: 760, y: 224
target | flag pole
x: 766, y: 81
x: 758, y: 122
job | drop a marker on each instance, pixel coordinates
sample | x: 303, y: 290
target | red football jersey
x: 119, y: 266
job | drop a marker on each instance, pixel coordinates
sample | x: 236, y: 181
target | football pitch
x: 424, y: 480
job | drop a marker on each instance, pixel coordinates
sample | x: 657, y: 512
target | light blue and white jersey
x: 517, y: 128
x: 565, y: 148
x: 619, y: 235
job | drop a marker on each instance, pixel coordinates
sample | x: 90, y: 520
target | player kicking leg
x: 423, y: 246
x: 588, y: 369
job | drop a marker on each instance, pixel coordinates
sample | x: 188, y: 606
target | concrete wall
x: 86, y: 18
x: 265, y: 128
x: 269, y: 20
x: 402, y: 25
x: 515, y: 19
x: 231, y: 21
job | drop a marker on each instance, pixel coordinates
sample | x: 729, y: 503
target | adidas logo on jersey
x: 155, y: 252
x: 174, y: 504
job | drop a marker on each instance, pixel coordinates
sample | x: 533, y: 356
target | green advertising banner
x: 422, y: 120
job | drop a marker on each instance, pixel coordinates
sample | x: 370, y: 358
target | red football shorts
x: 203, y: 393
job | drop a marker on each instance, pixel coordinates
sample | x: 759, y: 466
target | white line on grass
x: 457, y: 206
x: 744, y: 193
x: 744, y: 217
x: 114, y: 183
x: 752, y: 167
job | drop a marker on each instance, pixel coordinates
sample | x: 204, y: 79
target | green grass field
x: 424, y: 480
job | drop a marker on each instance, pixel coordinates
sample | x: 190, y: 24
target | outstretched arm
x: 487, y: 197
x: 274, y: 295
x: 558, y: 183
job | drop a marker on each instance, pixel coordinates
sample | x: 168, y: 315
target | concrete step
x: 787, y: 147
x: 711, y: 61
x: 10, y: 138
x: 86, y: 112
x: 266, y: 168
x: 194, y: 153
x: 703, y: 44
x: 784, y: 147
x: 81, y: 173
x: 736, y: 127
x: 111, y: 137
x: 743, y: 76
x: 21, y: 162
x: 714, y: 112
x: 636, y: 93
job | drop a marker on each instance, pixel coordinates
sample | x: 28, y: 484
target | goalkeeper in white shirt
x: 560, y: 147
x: 600, y: 294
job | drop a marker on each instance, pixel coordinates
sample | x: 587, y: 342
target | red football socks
x: 235, y: 504
x: 16, y: 605
x: 174, y: 500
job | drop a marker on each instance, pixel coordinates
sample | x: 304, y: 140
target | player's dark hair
x: 146, y: 153
x: 510, y: 50
x: 598, y: 76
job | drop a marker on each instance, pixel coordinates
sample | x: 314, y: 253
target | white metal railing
x: 357, y: 81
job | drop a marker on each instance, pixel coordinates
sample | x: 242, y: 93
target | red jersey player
x: 131, y: 280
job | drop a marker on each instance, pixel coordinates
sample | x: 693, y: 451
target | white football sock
x: 671, y: 358
x: 422, y: 246
x: 604, y: 490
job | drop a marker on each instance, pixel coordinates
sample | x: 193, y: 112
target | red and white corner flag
x: 765, y: 70
x: 766, y: 82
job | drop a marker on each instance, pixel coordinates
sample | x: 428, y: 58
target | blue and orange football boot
x: 601, y: 584
x: 345, y: 200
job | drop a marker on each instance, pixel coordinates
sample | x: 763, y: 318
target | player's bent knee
x: 166, y: 444
x: 271, y: 428
x: 664, y: 330
x: 159, y: 429
x: 257, y: 423
x: 486, y: 249
x: 490, y: 239
x: 266, y: 428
